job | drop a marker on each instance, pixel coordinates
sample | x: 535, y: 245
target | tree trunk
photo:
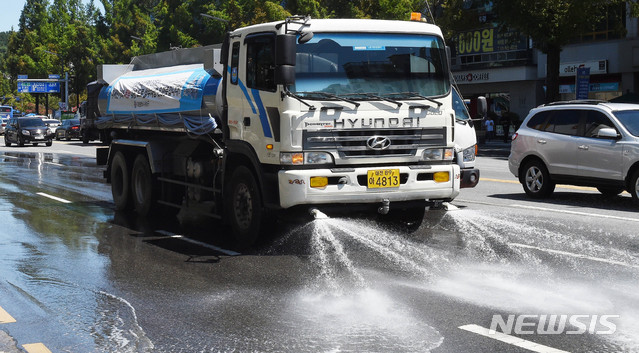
x: 552, y: 73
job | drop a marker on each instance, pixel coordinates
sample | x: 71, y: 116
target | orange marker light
x: 415, y: 16
x: 269, y: 147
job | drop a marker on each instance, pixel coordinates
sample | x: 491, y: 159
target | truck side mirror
x: 482, y: 106
x: 285, y: 50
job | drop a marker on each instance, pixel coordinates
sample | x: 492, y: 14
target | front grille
x: 353, y: 143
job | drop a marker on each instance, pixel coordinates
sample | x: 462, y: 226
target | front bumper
x: 469, y: 177
x: 36, y: 138
x: 295, y: 189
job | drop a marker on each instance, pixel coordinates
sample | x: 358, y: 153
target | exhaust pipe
x: 385, y: 207
x: 317, y: 214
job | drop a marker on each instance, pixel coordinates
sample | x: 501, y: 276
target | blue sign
x: 23, y: 77
x: 582, y: 84
x: 38, y: 87
x: 54, y: 77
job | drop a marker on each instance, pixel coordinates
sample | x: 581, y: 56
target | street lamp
x: 214, y: 18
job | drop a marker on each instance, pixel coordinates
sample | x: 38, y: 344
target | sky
x: 10, y: 14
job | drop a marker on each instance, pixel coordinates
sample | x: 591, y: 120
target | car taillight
x: 515, y: 136
x: 74, y: 127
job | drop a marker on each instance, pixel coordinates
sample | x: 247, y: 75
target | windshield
x: 32, y: 123
x: 629, y: 119
x: 347, y: 63
x: 5, y: 109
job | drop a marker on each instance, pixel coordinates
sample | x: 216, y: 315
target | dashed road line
x: 5, y: 318
x: 570, y: 254
x: 512, y: 340
x: 199, y: 243
x: 36, y: 348
x: 53, y: 197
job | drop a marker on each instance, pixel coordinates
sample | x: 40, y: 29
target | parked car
x: 3, y: 125
x: 69, y: 129
x: 27, y: 130
x: 586, y: 143
x: 52, y: 123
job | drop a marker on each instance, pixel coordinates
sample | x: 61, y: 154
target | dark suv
x: 586, y: 143
x: 27, y: 130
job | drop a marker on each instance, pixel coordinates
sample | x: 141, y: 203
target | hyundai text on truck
x: 303, y: 114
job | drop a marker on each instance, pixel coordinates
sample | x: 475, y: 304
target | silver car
x: 3, y: 125
x: 586, y: 143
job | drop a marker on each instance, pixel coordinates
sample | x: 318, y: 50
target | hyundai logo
x: 378, y: 143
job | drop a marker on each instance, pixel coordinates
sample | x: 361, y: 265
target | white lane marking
x: 570, y: 254
x: 14, y: 157
x: 548, y: 209
x: 512, y: 340
x: 53, y: 197
x: 199, y: 243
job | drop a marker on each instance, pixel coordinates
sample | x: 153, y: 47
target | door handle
x: 543, y: 142
x: 584, y: 147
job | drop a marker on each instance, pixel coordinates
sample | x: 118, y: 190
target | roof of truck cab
x: 349, y: 25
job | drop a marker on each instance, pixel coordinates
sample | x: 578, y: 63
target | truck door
x: 258, y: 122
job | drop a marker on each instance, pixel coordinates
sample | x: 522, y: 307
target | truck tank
x: 182, y: 97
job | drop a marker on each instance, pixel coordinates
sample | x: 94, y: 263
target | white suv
x: 586, y: 143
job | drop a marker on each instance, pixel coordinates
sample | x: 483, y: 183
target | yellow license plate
x: 383, y: 178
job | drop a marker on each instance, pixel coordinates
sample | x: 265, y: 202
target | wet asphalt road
x: 77, y: 277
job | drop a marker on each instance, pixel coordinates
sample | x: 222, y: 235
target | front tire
x: 49, y: 143
x: 536, y: 180
x: 243, y: 204
x: 6, y: 141
x: 142, y: 186
x: 120, y: 182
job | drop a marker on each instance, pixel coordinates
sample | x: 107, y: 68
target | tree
x: 552, y: 24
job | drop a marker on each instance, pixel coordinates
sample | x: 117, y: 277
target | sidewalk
x: 494, y: 148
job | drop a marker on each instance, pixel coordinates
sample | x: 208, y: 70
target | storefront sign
x: 594, y: 87
x: 472, y: 77
x: 597, y: 67
x: 488, y: 40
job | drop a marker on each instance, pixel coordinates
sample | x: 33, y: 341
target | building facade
x: 511, y: 73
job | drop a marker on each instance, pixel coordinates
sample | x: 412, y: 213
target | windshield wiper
x: 293, y: 95
x: 333, y: 96
x: 416, y: 95
x: 375, y: 96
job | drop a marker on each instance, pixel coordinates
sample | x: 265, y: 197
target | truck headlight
x: 305, y: 158
x: 26, y: 132
x: 469, y: 154
x: 438, y: 154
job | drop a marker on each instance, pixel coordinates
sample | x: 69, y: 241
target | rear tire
x: 49, y: 143
x: 633, y: 188
x: 536, y: 180
x: 143, y: 188
x: 120, y: 182
x: 6, y: 141
x: 243, y: 206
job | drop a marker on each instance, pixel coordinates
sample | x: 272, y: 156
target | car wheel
x: 68, y: 138
x: 142, y: 186
x: 243, y: 203
x: 633, y: 188
x: 49, y: 143
x: 20, y: 142
x: 536, y: 180
x: 610, y: 191
x: 6, y: 141
x: 35, y: 143
x: 120, y: 182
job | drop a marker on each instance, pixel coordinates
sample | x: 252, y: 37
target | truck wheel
x: 633, y: 187
x: 243, y: 205
x: 142, y: 186
x: 120, y: 182
x: 536, y: 180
